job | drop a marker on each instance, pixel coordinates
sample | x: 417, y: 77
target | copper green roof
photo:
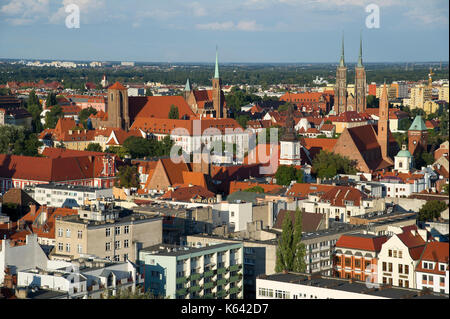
x: 418, y: 124
x: 216, y: 74
x: 187, y: 88
x: 404, y: 153
x: 342, y: 62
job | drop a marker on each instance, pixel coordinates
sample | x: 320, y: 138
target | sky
x: 285, y: 31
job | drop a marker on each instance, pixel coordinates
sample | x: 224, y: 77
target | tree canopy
x: 174, y: 113
x: 94, y: 147
x: 52, y: 117
x: 328, y: 165
x: 16, y: 140
x: 128, y: 176
x: 139, y: 147
x: 286, y: 174
x: 430, y: 210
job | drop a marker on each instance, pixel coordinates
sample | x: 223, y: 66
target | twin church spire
x: 345, y: 100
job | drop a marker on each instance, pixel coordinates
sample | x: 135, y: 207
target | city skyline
x: 179, y: 32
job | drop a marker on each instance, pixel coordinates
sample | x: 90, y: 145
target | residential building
x: 64, y: 195
x: 432, y: 271
x: 212, y: 272
x: 304, y: 286
x: 105, y: 231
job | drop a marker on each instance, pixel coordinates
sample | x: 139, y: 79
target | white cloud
x: 88, y: 10
x: 242, y: 25
x: 198, y: 10
x: 23, y: 12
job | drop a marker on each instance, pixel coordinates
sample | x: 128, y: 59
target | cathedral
x: 345, y: 101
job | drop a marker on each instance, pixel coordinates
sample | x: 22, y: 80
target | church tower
x: 340, y: 90
x: 417, y: 136
x: 217, y: 91
x: 187, y: 90
x: 289, y: 143
x: 360, y: 83
x: 118, y: 116
x: 383, y: 125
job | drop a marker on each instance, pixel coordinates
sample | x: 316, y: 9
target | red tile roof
x: 185, y: 194
x: 437, y: 252
x: 159, y: 106
x: 302, y: 190
x: 339, y: 195
x: 117, y: 86
x: 236, y: 186
x: 361, y: 242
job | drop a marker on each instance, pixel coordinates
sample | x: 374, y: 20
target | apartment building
x: 400, y: 255
x: 356, y: 256
x: 432, y: 271
x: 63, y: 195
x: 304, y: 286
x: 188, y: 272
x: 259, y: 256
x: 105, y: 231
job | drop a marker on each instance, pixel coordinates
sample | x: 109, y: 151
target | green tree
x: 51, y: 100
x: 94, y: 147
x: 128, y: 176
x: 291, y: 251
x: 285, y: 253
x: 445, y: 189
x: 255, y: 189
x: 35, y: 109
x: 328, y: 165
x: 117, y: 150
x: 242, y: 120
x: 138, y: 294
x: 84, y: 115
x: 285, y: 175
x: 284, y: 107
x: 52, y: 117
x: 148, y: 92
x: 16, y: 140
x: 430, y: 210
x: 173, y: 113
x: 373, y: 102
x: 298, y: 247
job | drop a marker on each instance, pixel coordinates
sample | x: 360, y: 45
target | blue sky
x: 245, y: 30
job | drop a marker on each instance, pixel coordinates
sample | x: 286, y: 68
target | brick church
x: 344, y: 101
x: 372, y: 147
x: 123, y: 110
x: 207, y: 103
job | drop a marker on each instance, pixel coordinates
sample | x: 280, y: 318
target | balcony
x: 195, y: 276
x: 181, y: 292
x: 235, y: 290
x: 234, y: 278
x: 194, y: 289
x: 222, y: 282
x: 208, y: 274
x: 209, y: 285
x: 235, y: 267
x: 222, y: 294
x: 181, y: 280
x: 221, y: 270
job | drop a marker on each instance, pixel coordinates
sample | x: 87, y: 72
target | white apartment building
x: 400, y: 255
x: 58, y: 195
x: 235, y: 215
x: 432, y: 271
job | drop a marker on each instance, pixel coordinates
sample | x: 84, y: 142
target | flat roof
x: 124, y: 217
x: 174, y: 250
x: 349, y: 286
x: 69, y: 187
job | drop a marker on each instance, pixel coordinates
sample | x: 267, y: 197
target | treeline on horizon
x: 231, y: 74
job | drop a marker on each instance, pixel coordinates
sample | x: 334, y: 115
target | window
x: 117, y: 244
x: 126, y: 229
x: 68, y: 248
x: 406, y: 269
x: 108, y: 246
x: 60, y: 232
x: 80, y: 249
x: 60, y: 246
x: 80, y: 234
x: 384, y: 280
x: 395, y: 254
x: 358, y: 263
x: 108, y: 232
x: 390, y: 267
x: 390, y: 253
x: 400, y: 283
x: 116, y: 258
x: 125, y: 243
x: 400, y: 269
x: 442, y: 267
x: 384, y: 266
x: 400, y: 252
x: 406, y: 283
x: 424, y: 277
x: 68, y: 233
x: 348, y: 262
x: 117, y: 230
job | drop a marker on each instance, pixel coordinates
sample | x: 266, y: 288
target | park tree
x: 298, y: 247
x: 242, y: 120
x: 117, y: 150
x: 35, y: 109
x: 430, y: 210
x: 174, y: 113
x: 284, y: 107
x: 16, y: 140
x: 51, y: 100
x: 373, y: 101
